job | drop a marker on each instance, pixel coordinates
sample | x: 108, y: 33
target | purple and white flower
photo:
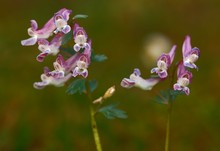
x: 136, y: 80
x: 80, y: 38
x: 60, y: 74
x: 44, y: 32
x: 190, y: 55
x: 164, y: 62
x: 184, y: 79
x: 49, y: 48
x: 60, y: 19
x: 83, y: 63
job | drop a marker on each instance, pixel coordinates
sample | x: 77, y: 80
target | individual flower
x: 60, y: 19
x: 137, y: 81
x: 60, y: 74
x: 42, y: 33
x: 80, y: 38
x: 49, y: 48
x: 83, y: 63
x: 184, y: 79
x: 190, y: 55
x: 164, y: 62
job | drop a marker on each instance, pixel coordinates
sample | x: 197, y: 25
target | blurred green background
x: 51, y: 120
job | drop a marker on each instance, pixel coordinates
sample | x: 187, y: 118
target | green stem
x: 93, y: 121
x: 170, y: 107
x: 95, y: 130
x: 167, y: 141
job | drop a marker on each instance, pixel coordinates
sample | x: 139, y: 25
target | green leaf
x: 162, y: 97
x: 68, y: 50
x: 175, y: 93
x: 67, y: 37
x: 98, y: 58
x: 155, y: 76
x: 111, y: 112
x: 93, y: 85
x: 77, y: 86
x: 80, y: 16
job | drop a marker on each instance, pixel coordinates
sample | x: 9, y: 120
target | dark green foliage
x: 93, y: 85
x: 175, y: 93
x: 67, y: 37
x: 77, y: 86
x: 98, y: 58
x: 111, y: 112
x: 162, y: 97
x: 80, y: 16
x: 68, y: 50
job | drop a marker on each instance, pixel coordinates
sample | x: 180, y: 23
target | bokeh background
x: 126, y: 31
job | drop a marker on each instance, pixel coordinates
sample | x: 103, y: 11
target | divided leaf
x: 68, y: 50
x: 98, y: 57
x: 77, y: 86
x: 111, y: 112
x: 175, y: 93
x: 67, y: 37
x: 93, y: 85
x: 80, y: 16
x: 162, y: 97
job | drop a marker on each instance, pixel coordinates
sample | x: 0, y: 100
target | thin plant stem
x: 167, y: 140
x: 95, y: 130
x: 93, y: 121
x: 170, y: 107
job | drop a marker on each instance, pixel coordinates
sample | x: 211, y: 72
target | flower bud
x: 109, y: 92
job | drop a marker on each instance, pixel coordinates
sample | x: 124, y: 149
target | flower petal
x: 172, y: 53
x: 186, y: 90
x: 76, y: 47
x: 29, y: 41
x: 66, y: 29
x: 186, y: 48
x: 177, y: 87
x: 163, y: 74
x: 154, y: 70
x: 127, y: 83
x: 41, y: 56
x: 34, y: 25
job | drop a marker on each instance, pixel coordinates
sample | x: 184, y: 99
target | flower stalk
x: 93, y: 121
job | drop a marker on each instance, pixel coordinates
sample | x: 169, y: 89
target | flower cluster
x: 190, y: 56
x: 64, y: 69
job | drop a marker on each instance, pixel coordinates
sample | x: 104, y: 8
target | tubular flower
x: 137, y: 81
x: 164, y: 62
x: 83, y: 63
x: 60, y: 74
x: 184, y: 79
x: 80, y: 38
x: 60, y: 19
x: 42, y: 33
x: 49, y: 48
x: 190, y: 55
